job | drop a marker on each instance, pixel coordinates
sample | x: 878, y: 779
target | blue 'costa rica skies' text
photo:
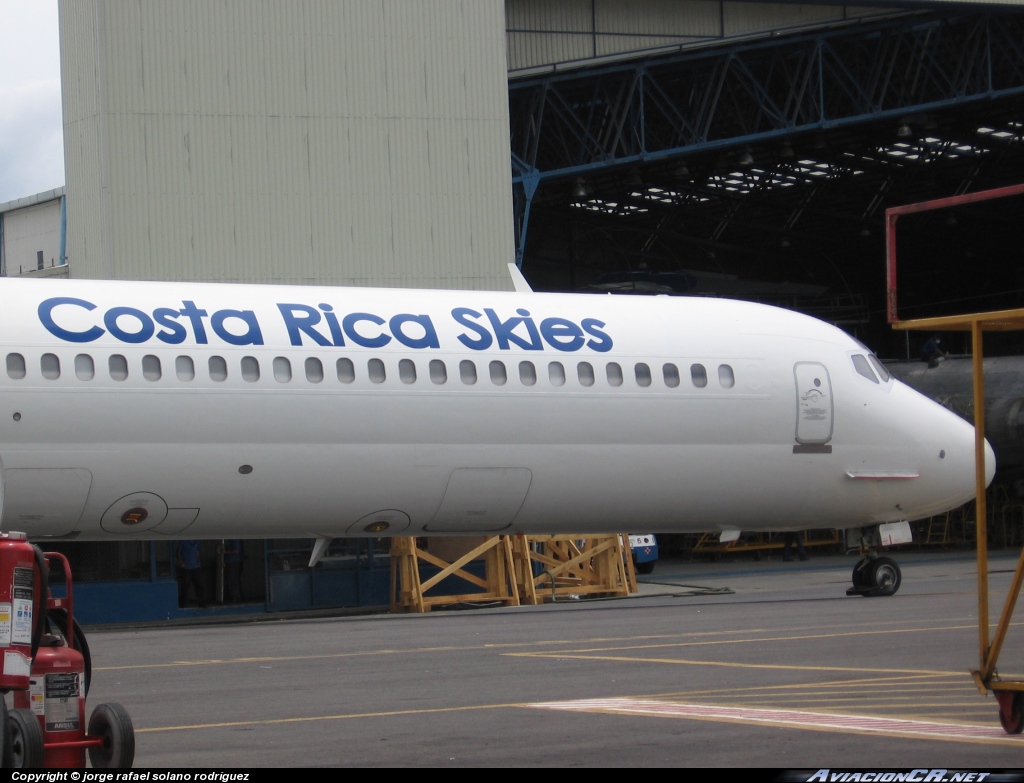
x: 320, y: 325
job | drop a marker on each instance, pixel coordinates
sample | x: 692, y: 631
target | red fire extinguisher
x: 21, y: 601
x: 47, y: 726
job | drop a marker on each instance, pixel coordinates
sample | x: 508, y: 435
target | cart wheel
x: 113, y: 724
x: 24, y: 746
x: 1011, y: 711
x: 4, y: 732
x: 883, y: 576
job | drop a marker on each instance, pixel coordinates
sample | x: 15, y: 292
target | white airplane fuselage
x: 170, y: 410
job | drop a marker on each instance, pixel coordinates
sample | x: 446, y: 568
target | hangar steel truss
x: 588, y: 122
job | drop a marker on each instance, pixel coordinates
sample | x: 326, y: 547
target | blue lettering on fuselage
x: 134, y: 326
x: 77, y: 320
x: 521, y: 331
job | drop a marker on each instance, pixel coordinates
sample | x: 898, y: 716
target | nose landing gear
x: 875, y: 576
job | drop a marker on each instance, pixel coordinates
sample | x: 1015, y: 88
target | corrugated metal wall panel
x: 657, y: 18
x: 551, y: 15
x: 30, y: 230
x: 615, y: 44
x: 544, y: 32
x: 528, y: 50
x: 302, y: 141
x: 741, y: 18
x: 79, y: 97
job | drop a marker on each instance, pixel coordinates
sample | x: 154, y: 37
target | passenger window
x: 467, y: 371
x: 438, y: 372
x: 585, y: 372
x: 250, y: 369
x: 407, y: 371
x: 860, y: 363
x: 879, y: 367
x: 218, y: 368
x: 498, y: 374
x: 375, y: 368
x: 151, y: 369
x: 725, y: 376
x: 698, y: 375
x: 556, y: 374
x: 314, y: 370
x: 185, y: 368
x: 671, y: 375
x: 614, y: 372
x: 15, y: 366
x: 346, y: 371
x: 282, y: 369
x: 527, y: 373
x: 118, y: 367
x: 50, y: 365
x: 85, y: 368
x: 643, y: 374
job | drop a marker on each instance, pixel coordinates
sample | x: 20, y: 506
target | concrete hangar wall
x: 312, y: 141
x: 303, y: 141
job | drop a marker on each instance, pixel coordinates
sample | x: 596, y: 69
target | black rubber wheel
x: 4, y: 731
x: 1014, y: 722
x: 59, y: 617
x: 114, y: 725
x: 24, y: 748
x: 883, y: 576
x: 645, y: 568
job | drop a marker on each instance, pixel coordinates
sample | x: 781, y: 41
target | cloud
x: 31, y: 139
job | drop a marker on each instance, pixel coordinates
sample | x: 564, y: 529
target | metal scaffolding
x: 1009, y: 691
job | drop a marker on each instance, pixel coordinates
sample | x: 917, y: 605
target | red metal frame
x: 894, y: 213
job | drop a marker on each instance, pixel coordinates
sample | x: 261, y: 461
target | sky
x: 31, y: 132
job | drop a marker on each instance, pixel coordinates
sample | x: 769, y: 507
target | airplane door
x: 813, y: 403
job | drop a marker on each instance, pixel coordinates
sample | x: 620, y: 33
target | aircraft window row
x: 376, y: 372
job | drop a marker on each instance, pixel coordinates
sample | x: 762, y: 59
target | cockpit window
x: 860, y: 362
x: 879, y: 367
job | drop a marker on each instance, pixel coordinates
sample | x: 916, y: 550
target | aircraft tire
x: 1013, y: 723
x: 645, y: 568
x: 883, y: 577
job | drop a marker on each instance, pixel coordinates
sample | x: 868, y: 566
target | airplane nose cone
x: 990, y: 463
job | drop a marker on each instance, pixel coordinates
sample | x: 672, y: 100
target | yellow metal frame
x: 985, y: 676
x: 756, y: 542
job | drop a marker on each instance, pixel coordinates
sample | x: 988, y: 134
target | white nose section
x: 990, y: 463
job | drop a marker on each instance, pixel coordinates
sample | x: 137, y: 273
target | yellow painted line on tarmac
x: 410, y: 651
x: 314, y: 718
x: 829, y: 722
x: 793, y: 719
x: 763, y: 639
x: 540, y: 648
x: 874, y: 682
x: 733, y: 665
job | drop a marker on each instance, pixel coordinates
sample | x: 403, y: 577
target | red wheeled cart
x: 47, y: 667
